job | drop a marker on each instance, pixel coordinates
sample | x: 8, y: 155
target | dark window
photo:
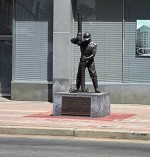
x: 6, y: 14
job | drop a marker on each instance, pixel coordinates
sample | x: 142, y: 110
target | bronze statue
x: 88, y: 50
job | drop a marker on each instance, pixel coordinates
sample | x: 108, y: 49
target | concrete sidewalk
x: 35, y: 118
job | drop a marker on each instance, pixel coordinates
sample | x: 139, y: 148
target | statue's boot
x: 76, y: 89
x: 95, y: 84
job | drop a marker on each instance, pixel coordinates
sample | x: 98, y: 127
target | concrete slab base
x: 99, y: 104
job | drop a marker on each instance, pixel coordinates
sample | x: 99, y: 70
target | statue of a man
x: 88, y: 50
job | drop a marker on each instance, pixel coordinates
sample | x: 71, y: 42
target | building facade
x: 37, y: 58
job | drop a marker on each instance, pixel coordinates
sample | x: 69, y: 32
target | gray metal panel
x: 31, y: 50
x: 108, y: 37
x: 136, y: 69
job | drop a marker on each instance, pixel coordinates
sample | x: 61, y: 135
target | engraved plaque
x: 76, y: 106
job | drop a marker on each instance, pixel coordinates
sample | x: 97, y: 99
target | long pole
x: 79, y: 43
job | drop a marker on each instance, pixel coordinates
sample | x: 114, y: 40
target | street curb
x: 84, y: 133
x: 36, y: 131
x: 113, y: 134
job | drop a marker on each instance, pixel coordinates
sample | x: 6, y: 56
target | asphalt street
x: 70, y: 147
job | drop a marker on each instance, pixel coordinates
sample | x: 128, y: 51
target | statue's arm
x: 92, y: 55
x: 75, y: 40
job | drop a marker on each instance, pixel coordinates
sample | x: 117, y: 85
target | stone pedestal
x: 87, y: 104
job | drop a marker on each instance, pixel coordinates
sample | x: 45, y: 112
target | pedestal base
x: 87, y: 104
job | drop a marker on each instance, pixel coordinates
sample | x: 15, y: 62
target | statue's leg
x: 93, y: 75
x: 83, y: 65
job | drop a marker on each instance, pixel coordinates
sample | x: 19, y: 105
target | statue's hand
x: 79, y: 35
x: 83, y: 59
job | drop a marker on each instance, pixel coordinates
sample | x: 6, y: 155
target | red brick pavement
x: 124, y: 117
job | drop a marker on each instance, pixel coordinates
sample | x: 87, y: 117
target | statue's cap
x: 87, y: 36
